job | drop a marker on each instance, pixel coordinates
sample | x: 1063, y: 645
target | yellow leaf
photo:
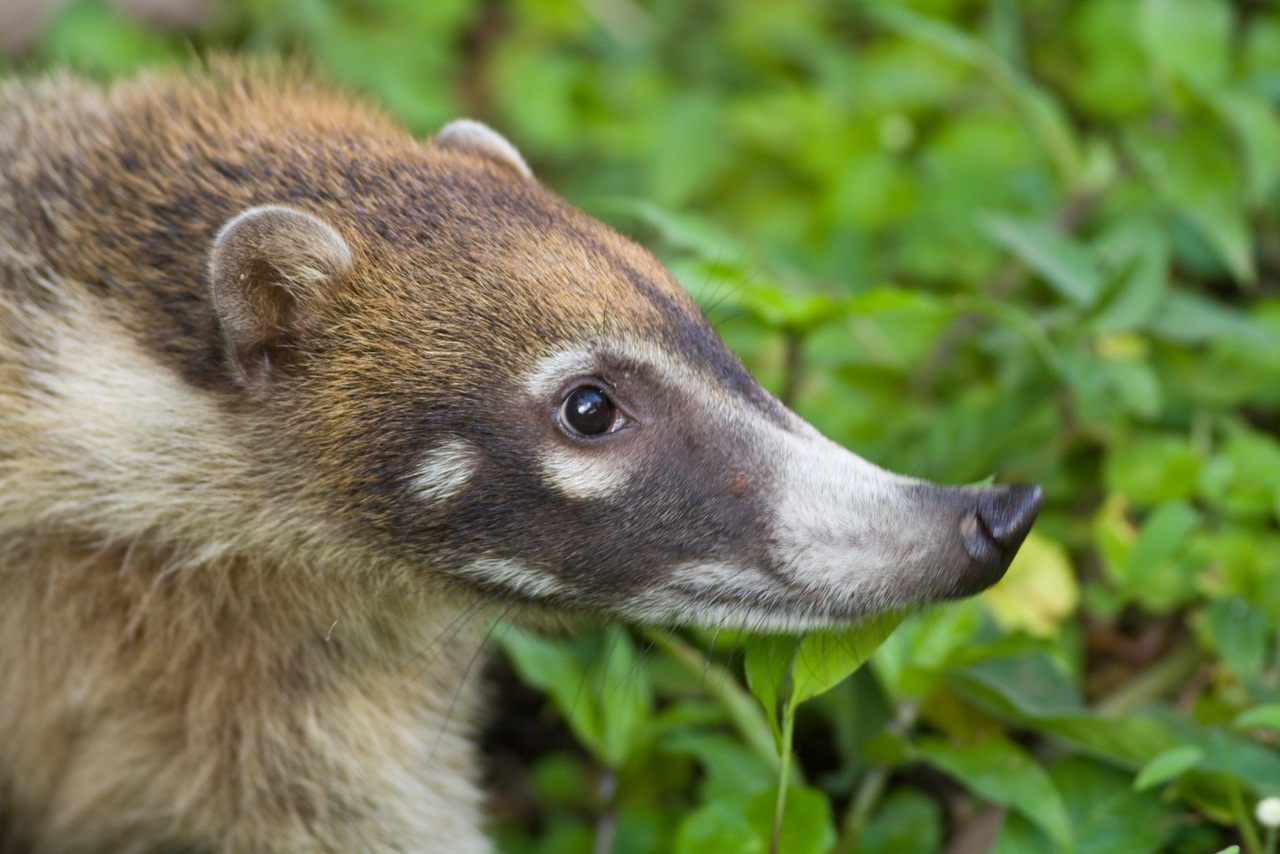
x: 1038, y: 592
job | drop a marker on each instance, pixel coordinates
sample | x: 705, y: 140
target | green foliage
x: 1027, y: 238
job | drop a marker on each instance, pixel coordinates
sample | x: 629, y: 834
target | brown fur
x: 201, y: 647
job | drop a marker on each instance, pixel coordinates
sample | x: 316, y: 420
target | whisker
x: 477, y: 655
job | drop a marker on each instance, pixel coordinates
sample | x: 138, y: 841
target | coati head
x: 498, y: 390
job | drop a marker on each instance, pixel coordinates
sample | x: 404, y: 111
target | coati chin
x: 286, y: 393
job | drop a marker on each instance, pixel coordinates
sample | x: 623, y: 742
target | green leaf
x: 620, y: 686
x: 1143, y: 284
x: 826, y: 658
x: 807, y: 823
x: 1043, y: 114
x: 1189, y: 39
x: 767, y: 663
x: 1240, y: 633
x: 1033, y: 686
x: 1153, y: 468
x: 729, y: 768
x: 1168, y: 766
x: 1107, y: 815
x: 1058, y: 259
x: 1129, y: 740
x: 1004, y: 773
x: 908, y: 822
x: 92, y: 36
x: 596, y: 684
x: 1018, y: 836
x: 1226, y: 753
x: 1162, y: 535
x: 719, y: 826
x: 1257, y: 127
x: 745, y: 824
x: 1205, y: 189
x: 556, y: 670
x: 1260, y: 716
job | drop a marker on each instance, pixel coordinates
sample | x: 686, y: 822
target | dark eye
x: 588, y: 411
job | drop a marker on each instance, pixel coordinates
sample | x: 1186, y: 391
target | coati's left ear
x: 270, y: 269
x: 470, y: 135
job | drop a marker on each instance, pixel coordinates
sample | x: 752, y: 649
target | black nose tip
x: 994, y: 529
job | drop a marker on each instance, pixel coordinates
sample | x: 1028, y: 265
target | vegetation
x: 1034, y: 240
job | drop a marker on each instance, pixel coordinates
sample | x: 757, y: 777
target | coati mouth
x: 976, y: 532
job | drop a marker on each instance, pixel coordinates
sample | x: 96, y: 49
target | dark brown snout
x: 999, y: 522
x: 992, y: 529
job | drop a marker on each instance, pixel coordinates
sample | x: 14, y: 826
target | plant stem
x: 872, y: 785
x: 1244, y: 821
x: 744, y: 712
x: 792, y: 367
x: 1153, y: 683
x: 788, y: 728
x: 607, y: 819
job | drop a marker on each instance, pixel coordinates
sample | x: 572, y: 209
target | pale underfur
x: 322, y: 716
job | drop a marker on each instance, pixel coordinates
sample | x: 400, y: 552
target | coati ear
x: 269, y: 272
x: 469, y: 135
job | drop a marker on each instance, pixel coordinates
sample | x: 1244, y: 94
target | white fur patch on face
x: 846, y: 528
x: 577, y: 474
x: 727, y: 597
x: 445, y: 470
x: 580, y: 476
x: 514, y: 575
x: 553, y: 371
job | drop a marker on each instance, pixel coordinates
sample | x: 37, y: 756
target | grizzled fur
x: 281, y: 398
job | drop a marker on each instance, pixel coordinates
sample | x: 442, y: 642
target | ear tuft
x: 270, y: 269
x: 470, y: 135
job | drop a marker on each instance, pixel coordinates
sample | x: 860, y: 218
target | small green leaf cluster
x: 1031, y: 239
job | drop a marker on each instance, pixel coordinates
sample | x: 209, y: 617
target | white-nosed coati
x: 284, y: 392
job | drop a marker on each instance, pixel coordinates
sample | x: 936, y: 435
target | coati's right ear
x: 270, y: 269
x: 470, y: 135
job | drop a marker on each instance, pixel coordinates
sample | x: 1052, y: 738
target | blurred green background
x: 1034, y: 240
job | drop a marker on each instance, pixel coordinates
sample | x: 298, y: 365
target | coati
x: 287, y: 395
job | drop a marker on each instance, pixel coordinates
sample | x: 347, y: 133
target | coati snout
x: 287, y: 397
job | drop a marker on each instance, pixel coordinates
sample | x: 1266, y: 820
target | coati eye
x: 588, y: 411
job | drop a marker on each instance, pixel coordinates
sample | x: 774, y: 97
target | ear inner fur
x: 268, y: 266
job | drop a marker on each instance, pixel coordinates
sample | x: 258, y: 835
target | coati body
x: 287, y: 397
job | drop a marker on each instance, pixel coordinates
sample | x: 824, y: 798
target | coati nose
x: 994, y: 529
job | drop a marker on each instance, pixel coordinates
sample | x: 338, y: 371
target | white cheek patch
x: 724, y: 597
x: 514, y: 575
x: 581, y: 476
x: 445, y: 470
x: 740, y: 598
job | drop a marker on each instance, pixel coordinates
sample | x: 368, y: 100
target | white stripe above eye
x: 555, y: 369
x: 444, y: 471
